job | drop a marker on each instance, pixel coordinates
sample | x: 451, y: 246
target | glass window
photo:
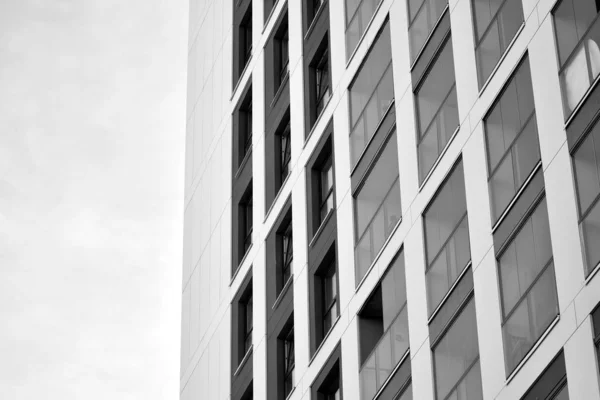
x: 325, y: 189
x: 527, y: 286
x: 330, y: 307
x: 282, y: 53
x: 371, y: 94
x: 512, y: 140
x: 245, y: 38
x: 596, y: 319
x: 287, y: 255
x: 456, y: 359
x: 289, y: 363
x: 496, y: 24
x: 586, y: 163
x: 246, y: 216
x: 358, y: 16
x: 578, y: 38
x: 406, y: 394
x: 285, y: 155
x: 377, y: 207
x: 446, y: 237
x: 322, y: 83
x: 248, y: 325
x: 383, y: 330
x: 330, y: 388
x: 313, y: 8
x: 422, y: 17
x: 437, y: 110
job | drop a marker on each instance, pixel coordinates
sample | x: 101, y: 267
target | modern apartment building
x: 392, y: 199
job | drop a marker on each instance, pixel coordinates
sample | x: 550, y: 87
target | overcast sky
x: 92, y: 126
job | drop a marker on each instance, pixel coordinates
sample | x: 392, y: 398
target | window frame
x: 246, y: 208
x: 322, y: 71
x: 324, y: 197
x: 328, y: 310
x: 568, y: 59
x: 285, y: 262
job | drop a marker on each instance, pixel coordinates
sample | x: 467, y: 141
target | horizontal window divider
x: 379, y: 124
x: 323, y: 341
x: 437, y: 255
x: 526, y: 292
x: 509, y: 149
x: 447, y: 295
x: 244, y: 361
x: 437, y: 112
x: 439, y: 158
x: 428, y: 39
x: 502, y: 57
x: 516, y: 197
x: 283, y: 292
x: 367, y: 28
x: 535, y: 346
x: 582, y: 101
x: 389, y: 378
x: 377, y: 256
x: 321, y: 227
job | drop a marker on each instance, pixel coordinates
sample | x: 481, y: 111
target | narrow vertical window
x: 578, y: 39
x: 371, y: 94
x: 511, y: 140
x: 456, y: 358
x: 287, y: 255
x: 322, y: 82
x: 377, y: 207
x: 289, y: 363
x: 446, y: 237
x: 246, y: 222
x: 437, y: 110
x: 285, y: 153
x: 245, y: 32
x: 330, y: 303
x: 325, y: 190
x: 586, y: 166
x: 313, y: 9
x: 248, y: 325
x: 528, y: 286
x: 496, y: 24
x: 281, y: 52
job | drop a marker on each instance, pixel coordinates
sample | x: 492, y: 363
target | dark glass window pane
x: 288, y: 363
x: 325, y: 189
x: 358, y: 15
x: 437, y: 110
x: 423, y: 15
x: 370, y: 93
x: 456, y: 353
x: 512, y: 140
x: 590, y: 230
x: 585, y: 164
x: 406, y: 394
x: 377, y: 206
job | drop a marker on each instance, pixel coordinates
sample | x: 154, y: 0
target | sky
x: 92, y: 128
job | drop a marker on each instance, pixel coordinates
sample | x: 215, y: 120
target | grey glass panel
x: 590, y: 230
x: 512, y: 140
x: 469, y: 387
x: 524, y: 259
x: 530, y: 319
x: 586, y: 163
x: 563, y: 394
x: 456, y: 353
x: 370, y: 94
x: 437, y: 110
x: 377, y: 207
x: 572, y: 18
x: 406, y: 394
x: 423, y: 16
x: 393, y: 291
x: 358, y: 15
x: 445, y: 213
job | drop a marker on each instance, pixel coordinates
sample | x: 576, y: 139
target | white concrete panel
x: 463, y: 47
x: 198, y: 143
x: 546, y: 92
x: 214, y: 354
x: 588, y: 298
x: 564, y: 229
x: 407, y: 150
x: 215, y: 273
x: 345, y: 245
x: 581, y: 364
x: 194, y: 310
x: 350, y: 359
x: 185, y: 329
x: 477, y: 195
x: 400, y: 49
x: 205, y: 309
x: 489, y: 323
x: 187, y: 243
x: 301, y: 320
x: 337, y: 29
x: 341, y: 145
x: 422, y: 372
x: 416, y: 291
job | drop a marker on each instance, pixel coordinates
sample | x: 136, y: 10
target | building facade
x: 392, y: 199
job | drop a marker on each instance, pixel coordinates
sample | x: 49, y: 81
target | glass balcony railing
x: 385, y: 356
